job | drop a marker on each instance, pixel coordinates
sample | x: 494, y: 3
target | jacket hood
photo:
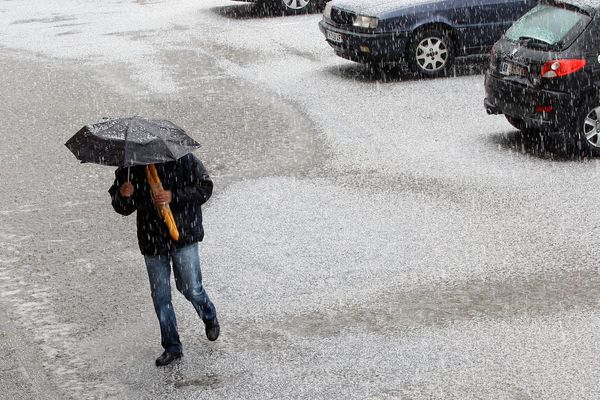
x: 374, y: 8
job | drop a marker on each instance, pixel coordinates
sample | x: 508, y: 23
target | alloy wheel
x: 296, y: 4
x: 591, y: 127
x: 432, y: 54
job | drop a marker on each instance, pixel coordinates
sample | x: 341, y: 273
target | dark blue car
x: 428, y: 34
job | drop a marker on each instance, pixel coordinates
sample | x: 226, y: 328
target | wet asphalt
x: 370, y: 236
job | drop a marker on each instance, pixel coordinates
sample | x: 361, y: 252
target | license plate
x: 334, y: 37
x: 507, y: 68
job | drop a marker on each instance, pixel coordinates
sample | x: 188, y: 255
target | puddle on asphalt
x: 208, y: 381
x: 535, y: 295
x: 59, y: 18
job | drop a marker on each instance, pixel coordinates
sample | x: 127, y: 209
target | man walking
x: 186, y: 187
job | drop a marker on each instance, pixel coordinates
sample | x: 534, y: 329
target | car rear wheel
x: 589, y: 131
x: 431, y: 52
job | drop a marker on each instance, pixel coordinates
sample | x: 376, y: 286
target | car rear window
x: 548, y: 25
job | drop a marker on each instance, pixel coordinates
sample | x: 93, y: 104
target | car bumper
x: 366, y: 47
x: 518, y: 101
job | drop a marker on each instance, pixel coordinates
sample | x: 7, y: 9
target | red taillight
x: 556, y: 68
x: 543, y: 109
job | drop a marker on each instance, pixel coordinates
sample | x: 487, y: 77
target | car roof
x: 590, y: 6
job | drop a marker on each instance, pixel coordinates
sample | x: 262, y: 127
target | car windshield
x: 547, y: 26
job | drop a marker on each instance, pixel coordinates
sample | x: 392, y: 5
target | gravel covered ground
x: 370, y: 236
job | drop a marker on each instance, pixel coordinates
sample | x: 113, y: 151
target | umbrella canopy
x: 124, y: 142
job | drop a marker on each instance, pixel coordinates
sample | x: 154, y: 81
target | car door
x: 487, y: 20
x: 591, y: 51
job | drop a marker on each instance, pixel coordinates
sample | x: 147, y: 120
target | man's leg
x: 188, y: 278
x: 159, y: 274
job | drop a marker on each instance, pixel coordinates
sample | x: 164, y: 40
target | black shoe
x: 167, y: 358
x: 212, y: 329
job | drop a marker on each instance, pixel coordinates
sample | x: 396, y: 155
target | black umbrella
x: 124, y: 142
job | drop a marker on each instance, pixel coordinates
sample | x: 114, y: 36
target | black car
x: 427, y: 34
x: 544, y: 73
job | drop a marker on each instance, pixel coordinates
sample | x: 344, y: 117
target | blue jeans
x: 188, y: 280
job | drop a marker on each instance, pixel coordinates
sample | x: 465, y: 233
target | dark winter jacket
x: 191, y: 187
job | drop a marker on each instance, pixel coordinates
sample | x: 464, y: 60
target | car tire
x: 587, y: 130
x: 295, y: 7
x: 431, y: 52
